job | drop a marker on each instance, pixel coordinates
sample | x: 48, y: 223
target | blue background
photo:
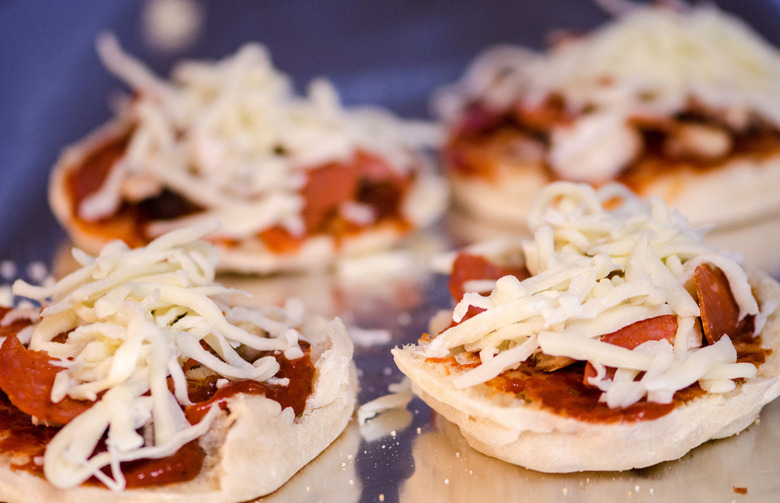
x: 393, y: 53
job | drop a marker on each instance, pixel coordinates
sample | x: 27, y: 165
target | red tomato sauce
x: 485, y: 139
x: 300, y: 372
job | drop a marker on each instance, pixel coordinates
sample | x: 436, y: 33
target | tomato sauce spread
x: 564, y: 392
x: 364, y: 179
x: 181, y: 466
x: 300, y: 372
x: 485, y: 137
x: 128, y: 221
x: 26, y: 442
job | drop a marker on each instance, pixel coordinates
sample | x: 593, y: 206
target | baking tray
x: 414, y: 455
x: 391, y: 53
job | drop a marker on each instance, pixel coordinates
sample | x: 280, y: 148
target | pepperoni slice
x: 719, y: 310
x: 651, y: 329
x: 27, y: 378
x: 365, y: 178
x: 326, y: 188
x: 468, y: 267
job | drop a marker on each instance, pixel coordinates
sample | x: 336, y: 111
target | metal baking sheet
x: 391, y: 53
x: 422, y: 457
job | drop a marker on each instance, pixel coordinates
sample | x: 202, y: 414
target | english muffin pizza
x: 296, y: 181
x: 614, y: 338
x: 133, y: 381
x: 682, y: 103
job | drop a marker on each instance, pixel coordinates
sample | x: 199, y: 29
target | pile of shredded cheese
x: 650, y: 62
x: 132, y: 319
x: 594, y: 272
x: 233, y: 137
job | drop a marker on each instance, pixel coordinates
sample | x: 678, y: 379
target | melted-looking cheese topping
x: 650, y: 62
x: 232, y: 137
x: 594, y: 272
x: 132, y: 319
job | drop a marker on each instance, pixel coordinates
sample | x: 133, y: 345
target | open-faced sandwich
x: 681, y: 104
x: 296, y: 181
x: 613, y: 339
x: 134, y: 382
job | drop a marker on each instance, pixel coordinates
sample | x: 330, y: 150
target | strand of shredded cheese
x: 596, y: 271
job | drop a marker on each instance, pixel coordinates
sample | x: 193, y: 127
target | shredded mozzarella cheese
x: 132, y: 318
x: 651, y: 62
x: 596, y: 271
x: 233, y: 138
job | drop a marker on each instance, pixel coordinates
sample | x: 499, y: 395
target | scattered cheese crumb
x: 172, y: 25
x: 8, y: 269
x: 365, y: 337
x: 38, y: 272
x: 387, y: 414
x: 376, y: 267
x: 404, y: 318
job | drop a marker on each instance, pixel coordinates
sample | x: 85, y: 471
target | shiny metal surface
x: 393, y: 53
x: 414, y: 455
